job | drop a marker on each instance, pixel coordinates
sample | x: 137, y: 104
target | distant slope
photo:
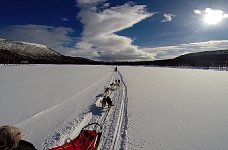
x: 217, y: 58
x: 206, y: 59
x: 16, y: 52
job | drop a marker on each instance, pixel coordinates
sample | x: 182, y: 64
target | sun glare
x: 213, y: 16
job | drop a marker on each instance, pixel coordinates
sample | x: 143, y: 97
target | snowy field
x: 177, y: 109
x: 155, y: 108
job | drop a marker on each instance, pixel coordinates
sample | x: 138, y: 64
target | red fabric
x: 84, y: 141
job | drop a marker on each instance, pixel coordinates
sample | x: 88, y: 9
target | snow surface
x: 177, y: 109
x: 33, y: 44
x: 155, y: 108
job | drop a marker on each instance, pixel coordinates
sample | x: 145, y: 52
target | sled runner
x: 86, y: 140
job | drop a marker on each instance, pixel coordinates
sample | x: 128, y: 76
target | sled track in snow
x: 115, y: 136
x: 114, y: 121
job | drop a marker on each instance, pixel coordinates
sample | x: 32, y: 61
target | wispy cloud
x: 65, y: 19
x: 197, y: 11
x: 168, y: 52
x: 99, y: 39
x: 89, y: 2
x: 54, y: 37
x: 168, y: 17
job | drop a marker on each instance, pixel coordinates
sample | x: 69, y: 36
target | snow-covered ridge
x: 27, y: 49
x: 34, y: 44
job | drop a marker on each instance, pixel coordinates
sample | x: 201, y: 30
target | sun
x: 213, y: 17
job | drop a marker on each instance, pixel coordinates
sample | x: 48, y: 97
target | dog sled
x: 86, y: 140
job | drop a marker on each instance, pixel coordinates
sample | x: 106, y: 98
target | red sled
x: 86, y: 140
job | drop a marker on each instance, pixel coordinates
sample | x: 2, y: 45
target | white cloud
x: 106, y: 5
x: 53, y: 37
x: 89, y: 2
x: 211, y: 16
x: 65, y: 19
x: 225, y: 16
x: 168, y: 52
x: 168, y: 17
x: 197, y: 11
x: 112, y: 47
x: 209, y: 10
x: 99, y: 39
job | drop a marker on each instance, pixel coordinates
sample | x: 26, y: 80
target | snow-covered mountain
x: 16, y: 52
x: 25, y: 48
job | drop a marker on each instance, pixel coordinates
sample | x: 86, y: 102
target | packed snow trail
x: 114, y: 126
x: 113, y: 120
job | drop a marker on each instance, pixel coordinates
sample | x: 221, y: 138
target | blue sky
x: 118, y: 29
